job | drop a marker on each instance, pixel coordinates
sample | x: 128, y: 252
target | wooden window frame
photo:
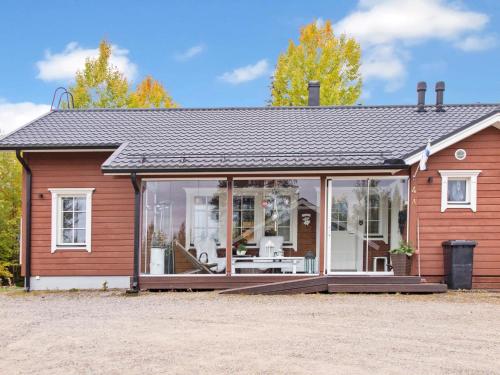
x: 470, y: 176
x: 56, y: 218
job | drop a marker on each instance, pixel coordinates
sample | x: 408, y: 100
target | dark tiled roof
x: 253, y: 138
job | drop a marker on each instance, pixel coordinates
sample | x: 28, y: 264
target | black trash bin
x: 458, y: 260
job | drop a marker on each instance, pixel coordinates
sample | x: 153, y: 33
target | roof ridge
x: 181, y: 109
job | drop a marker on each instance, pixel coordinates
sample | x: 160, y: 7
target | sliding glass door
x: 367, y: 217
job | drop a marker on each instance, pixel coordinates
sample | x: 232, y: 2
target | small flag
x: 425, y: 155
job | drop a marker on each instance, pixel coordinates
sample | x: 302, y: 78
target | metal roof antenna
x: 71, y: 105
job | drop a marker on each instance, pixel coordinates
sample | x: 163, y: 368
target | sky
x: 222, y: 53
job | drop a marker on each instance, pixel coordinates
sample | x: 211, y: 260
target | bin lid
x: 459, y: 243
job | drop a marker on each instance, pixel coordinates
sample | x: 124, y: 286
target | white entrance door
x: 347, y: 225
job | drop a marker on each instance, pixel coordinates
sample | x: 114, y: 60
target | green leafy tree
x: 319, y: 56
x: 10, y: 212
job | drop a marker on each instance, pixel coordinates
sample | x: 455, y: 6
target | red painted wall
x: 112, y: 216
x: 483, y: 153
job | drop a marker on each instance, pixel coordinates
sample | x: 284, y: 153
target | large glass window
x: 275, y: 226
x: 368, y: 217
x: 184, y: 227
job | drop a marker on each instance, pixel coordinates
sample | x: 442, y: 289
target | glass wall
x: 184, y: 227
x: 275, y: 226
x: 368, y: 217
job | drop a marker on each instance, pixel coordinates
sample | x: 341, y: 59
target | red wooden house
x: 215, y: 198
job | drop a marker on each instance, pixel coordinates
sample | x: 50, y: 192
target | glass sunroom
x: 271, y: 226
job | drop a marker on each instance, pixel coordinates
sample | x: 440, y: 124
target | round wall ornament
x: 460, y: 154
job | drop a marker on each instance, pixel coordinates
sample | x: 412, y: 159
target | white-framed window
x: 374, y: 215
x: 244, y: 218
x: 71, y: 219
x: 205, y: 218
x: 459, y: 189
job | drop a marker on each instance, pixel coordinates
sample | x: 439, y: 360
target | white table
x: 284, y: 263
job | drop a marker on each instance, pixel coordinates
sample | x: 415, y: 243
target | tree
x: 10, y: 212
x: 319, y: 56
x: 150, y: 94
x: 100, y: 84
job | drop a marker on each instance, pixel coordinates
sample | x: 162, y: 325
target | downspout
x: 137, y: 219
x: 27, y: 169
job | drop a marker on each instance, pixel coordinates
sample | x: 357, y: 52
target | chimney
x: 439, y: 96
x: 421, y: 88
x: 313, y: 88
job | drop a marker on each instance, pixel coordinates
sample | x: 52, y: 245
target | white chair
x: 271, y: 246
x: 206, y: 252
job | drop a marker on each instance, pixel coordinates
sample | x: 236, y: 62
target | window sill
x: 452, y: 206
x: 69, y: 248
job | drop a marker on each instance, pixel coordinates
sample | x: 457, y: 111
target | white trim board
x: 493, y: 120
x: 78, y: 282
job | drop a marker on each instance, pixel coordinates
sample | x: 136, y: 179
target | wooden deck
x: 279, y: 284
x: 344, y: 284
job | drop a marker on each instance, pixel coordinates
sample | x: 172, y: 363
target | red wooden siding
x: 112, y: 216
x: 483, y: 153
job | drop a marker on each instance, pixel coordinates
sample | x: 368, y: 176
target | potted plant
x: 401, y: 259
x: 241, y: 247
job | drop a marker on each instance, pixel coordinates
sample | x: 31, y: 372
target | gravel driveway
x: 174, y: 333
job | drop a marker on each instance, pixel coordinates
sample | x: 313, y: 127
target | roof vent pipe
x: 313, y: 88
x: 439, y: 96
x: 421, y: 88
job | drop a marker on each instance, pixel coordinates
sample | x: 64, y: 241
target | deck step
x: 308, y: 285
x: 373, y: 279
x: 387, y: 288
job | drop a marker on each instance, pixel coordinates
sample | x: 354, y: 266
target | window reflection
x: 184, y: 227
x: 275, y: 226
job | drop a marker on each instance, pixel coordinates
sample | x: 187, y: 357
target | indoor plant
x: 401, y: 259
x: 241, y: 247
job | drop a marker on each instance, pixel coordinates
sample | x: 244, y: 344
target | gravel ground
x: 176, y: 333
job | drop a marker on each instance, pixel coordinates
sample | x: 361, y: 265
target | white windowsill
x: 69, y: 248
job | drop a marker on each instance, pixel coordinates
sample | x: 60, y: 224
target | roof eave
x: 457, y: 135
x: 142, y: 171
x: 110, y: 146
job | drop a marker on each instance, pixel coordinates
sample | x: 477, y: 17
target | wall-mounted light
x: 430, y: 179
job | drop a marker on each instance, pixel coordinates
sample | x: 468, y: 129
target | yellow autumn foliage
x: 319, y: 56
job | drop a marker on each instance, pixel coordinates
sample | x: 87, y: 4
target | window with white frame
x: 71, y: 219
x: 374, y: 217
x: 244, y: 218
x: 459, y: 189
x: 278, y: 215
x: 205, y: 218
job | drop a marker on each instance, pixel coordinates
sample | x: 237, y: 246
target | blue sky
x: 222, y: 53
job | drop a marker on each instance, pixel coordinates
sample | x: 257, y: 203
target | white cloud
x: 474, y: 43
x: 62, y: 66
x: 190, y: 53
x: 387, y: 28
x: 246, y: 73
x: 14, y: 115
x: 384, y: 63
x: 387, y: 21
